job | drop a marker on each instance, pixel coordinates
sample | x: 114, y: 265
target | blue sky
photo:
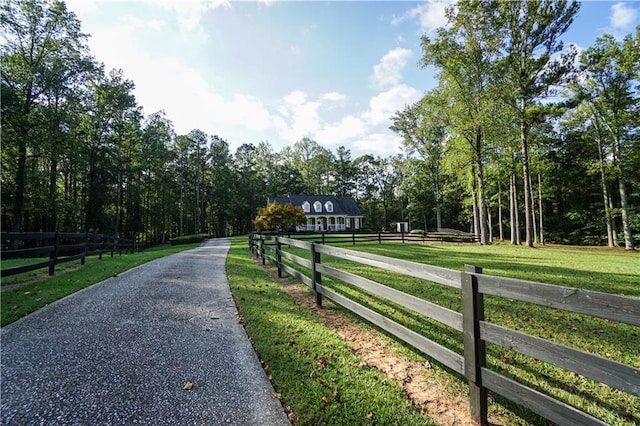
x: 278, y: 71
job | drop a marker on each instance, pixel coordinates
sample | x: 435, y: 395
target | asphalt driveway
x: 124, y: 350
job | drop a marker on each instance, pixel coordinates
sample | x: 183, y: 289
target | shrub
x: 187, y: 239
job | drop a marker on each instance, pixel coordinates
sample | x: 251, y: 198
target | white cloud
x: 137, y: 23
x: 342, y: 132
x: 82, y: 8
x: 333, y: 96
x: 382, y: 144
x: 388, y: 72
x: 623, y: 16
x: 385, y: 104
x: 189, y: 12
x: 298, y: 117
x: 431, y: 15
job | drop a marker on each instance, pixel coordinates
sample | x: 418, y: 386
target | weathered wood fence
x: 49, y: 249
x: 404, y: 237
x: 473, y: 285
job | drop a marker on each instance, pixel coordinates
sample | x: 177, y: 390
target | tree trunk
x: 614, y: 228
x: 53, y: 204
x: 20, y: 186
x: 525, y: 172
x: 500, y: 212
x: 482, y: 204
x: 476, y: 224
x: 624, y: 204
x: 540, y: 208
x: 533, y: 211
x: 438, y: 202
x: 605, y: 194
x: 490, y: 224
x: 515, y: 219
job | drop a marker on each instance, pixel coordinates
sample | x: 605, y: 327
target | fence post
x: 86, y: 248
x: 279, y: 256
x: 262, y: 240
x: 53, y: 255
x: 101, y: 237
x: 402, y: 233
x: 322, y: 237
x: 379, y: 237
x: 474, y: 347
x: 353, y: 237
x: 317, y: 277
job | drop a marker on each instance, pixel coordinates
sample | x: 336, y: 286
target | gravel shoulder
x: 159, y: 344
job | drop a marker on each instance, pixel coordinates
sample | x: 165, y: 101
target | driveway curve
x: 124, y: 350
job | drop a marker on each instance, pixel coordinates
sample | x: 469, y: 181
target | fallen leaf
x: 291, y: 342
x: 117, y: 329
x: 313, y: 374
x: 368, y: 416
x: 325, y: 399
x: 187, y: 385
x: 322, y: 362
x: 428, y: 365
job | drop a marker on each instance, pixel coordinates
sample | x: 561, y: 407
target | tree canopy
x: 519, y: 137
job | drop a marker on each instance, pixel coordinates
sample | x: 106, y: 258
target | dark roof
x: 341, y: 206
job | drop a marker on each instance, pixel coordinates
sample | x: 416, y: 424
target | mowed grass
x: 318, y: 379
x: 70, y: 277
x: 611, y: 271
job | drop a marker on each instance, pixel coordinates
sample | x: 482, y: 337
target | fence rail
x: 404, y: 237
x: 476, y: 332
x: 57, y: 248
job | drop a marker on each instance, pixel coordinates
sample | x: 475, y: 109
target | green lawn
x: 317, y: 377
x: 605, y: 270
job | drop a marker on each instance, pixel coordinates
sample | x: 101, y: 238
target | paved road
x: 120, y: 352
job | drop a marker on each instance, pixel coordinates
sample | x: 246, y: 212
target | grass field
x: 320, y: 381
x: 313, y: 371
x: 39, y: 290
x: 595, y: 269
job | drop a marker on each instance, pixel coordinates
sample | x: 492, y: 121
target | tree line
x: 528, y: 120
x: 521, y: 138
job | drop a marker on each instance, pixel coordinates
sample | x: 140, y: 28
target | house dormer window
x: 306, y: 207
x: 328, y: 206
x: 317, y: 206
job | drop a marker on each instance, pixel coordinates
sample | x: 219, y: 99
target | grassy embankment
x: 33, y: 290
x: 595, y: 269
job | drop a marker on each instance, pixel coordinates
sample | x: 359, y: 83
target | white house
x: 325, y: 212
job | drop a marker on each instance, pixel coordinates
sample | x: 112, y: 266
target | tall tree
x: 465, y: 54
x: 315, y: 164
x: 221, y: 180
x: 424, y: 130
x: 611, y: 86
x: 44, y: 51
x: 531, y: 32
x: 343, y: 177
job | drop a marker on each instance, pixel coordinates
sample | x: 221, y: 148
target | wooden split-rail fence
x: 473, y: 285
x: 48, y: 249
